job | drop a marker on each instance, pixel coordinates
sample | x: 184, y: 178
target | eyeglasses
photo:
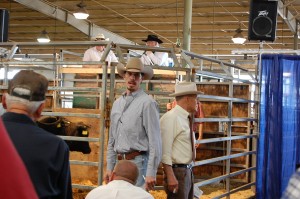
x: 136, y: 75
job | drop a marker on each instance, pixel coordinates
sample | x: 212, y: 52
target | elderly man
x: 13, y: 171
x: 178, y: 142
x: 134, y: 130
x: 154, y: 58
x: 121, y: 184
x: 95, y: 53
x: 45, y: 155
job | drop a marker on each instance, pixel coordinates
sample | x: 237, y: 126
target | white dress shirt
x: 117, y: 189
x: 156, y: 58
x: 92, y: 54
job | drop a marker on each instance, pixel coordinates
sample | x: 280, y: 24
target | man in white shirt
x: 95, y: 53
x: 121, y: 184
x: 154, y: 58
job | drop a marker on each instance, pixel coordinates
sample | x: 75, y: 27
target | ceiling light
x: 238, y: 38
x: 81, y: 12
x: 43, y: 38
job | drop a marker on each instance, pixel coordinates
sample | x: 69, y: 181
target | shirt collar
x: 134, y: 94
x: 181, y: 111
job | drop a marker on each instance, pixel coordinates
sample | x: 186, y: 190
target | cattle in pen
x: 63, y: 127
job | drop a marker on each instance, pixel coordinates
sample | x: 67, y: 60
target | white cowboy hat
x: 100, y: 37
x: 135, y: 64
x: 185, y: 88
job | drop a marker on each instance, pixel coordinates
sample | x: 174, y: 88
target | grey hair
x: 31, y: 106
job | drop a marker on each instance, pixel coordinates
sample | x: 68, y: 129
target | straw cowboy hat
x: 185, y: 88
x: 135, y: 64
x: 100, y: 37
x: 153, y: 38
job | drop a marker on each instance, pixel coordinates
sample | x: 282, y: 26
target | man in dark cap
x: 13, y: 171
x: 45, y: 155
x: 154, y: 58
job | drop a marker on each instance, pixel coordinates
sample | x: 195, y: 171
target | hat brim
x: 186, y: 93
x: 157, y: 40
x: 147, y: 71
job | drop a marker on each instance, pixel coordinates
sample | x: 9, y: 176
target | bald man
x: 121, y: 184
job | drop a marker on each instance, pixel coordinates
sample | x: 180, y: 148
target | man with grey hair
x: 178, y: 142
x: 45, y: 155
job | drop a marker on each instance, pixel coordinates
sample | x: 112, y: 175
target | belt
x: 130, y: 155
x: 187, y: 166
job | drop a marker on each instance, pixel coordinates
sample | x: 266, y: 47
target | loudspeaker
x: 4, y: 16
x: 262, y: 20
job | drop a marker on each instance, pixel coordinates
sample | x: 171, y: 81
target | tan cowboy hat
x: 135, y: 64
x: 185, y: 88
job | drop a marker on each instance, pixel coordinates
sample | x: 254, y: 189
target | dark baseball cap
x: 28, y: 85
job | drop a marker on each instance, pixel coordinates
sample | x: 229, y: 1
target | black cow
x: 61, y: 126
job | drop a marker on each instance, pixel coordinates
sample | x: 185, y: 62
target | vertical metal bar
x: 229, y: 132
x: 187, y: 25
x: 296, y: 37
x: 102, y: 102
x: 112, y: 83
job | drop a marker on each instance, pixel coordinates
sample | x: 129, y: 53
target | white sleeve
x: 159, y: 58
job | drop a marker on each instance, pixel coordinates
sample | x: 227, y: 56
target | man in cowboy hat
x: 178, y: 142
x: 154, y: 58
x: 95, y: 53
x: 134, y: 132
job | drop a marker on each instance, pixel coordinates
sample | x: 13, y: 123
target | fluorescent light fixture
x: 238, y: 38
x: 81, y: 12
x: 43, y: 38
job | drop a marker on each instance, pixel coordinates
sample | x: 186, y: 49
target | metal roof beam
x: 288, y: 17
x: 84, y: 26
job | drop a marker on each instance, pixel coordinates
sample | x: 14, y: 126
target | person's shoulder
x: 138, y: 191
x: 167, y: 115
x: 51, y: 137
x: 97, y: 192
x: 90, y: 49
x: 118, y: 99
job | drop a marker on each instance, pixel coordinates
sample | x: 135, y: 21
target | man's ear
x: 4, y: 101
x: 37, y: 114
x: 112, y: 176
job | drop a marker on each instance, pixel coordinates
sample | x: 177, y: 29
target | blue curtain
x: 278, y: 149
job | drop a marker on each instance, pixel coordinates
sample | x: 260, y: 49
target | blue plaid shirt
x: 293, y: 189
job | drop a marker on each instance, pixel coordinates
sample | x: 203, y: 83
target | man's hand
x: 150, y: 183
x: 107, y: 176
x: 197, y: 145
x: 172, y: 184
